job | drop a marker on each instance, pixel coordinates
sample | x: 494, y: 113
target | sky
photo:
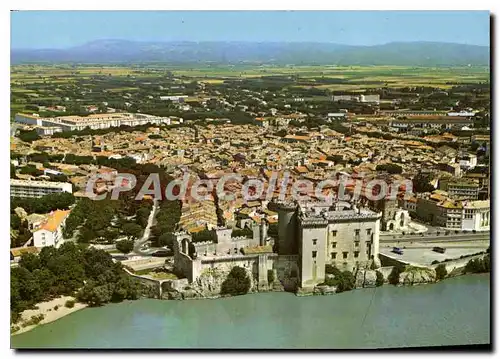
x: 63, y: 29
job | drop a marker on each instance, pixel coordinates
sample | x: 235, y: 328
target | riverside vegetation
x: 88, y: 274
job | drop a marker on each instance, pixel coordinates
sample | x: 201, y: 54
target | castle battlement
x: 197, y: 244
x: 221, y: 228
x: 239, y: 238
x: 180, y: 233
x: 314, y: 222
x: 282, y: 205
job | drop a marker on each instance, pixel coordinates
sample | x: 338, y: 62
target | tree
x: 125, y: 246
x: 394, y: 275
x: 111, y: 234
x: 28, y: 136
x: 478, y: 265
x: 12, y: 171
x: 203, y: 236
x: 245, y: 232
x: 380, y: 279
x: 441, y: 271
x: 132, y: 230
x: 165, y: 239
x: 94, y: 295
x: 30, y: 261
x: 236, y: 283
x: 421, y: 183
x: 343, y: 281
x: 390, y: 168
x: 142, y: 216
x: 30, y: 170
x: 65, y: 270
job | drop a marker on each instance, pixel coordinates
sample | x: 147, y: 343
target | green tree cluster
x: 441, y: 271
x: 167, y: 218
x: 44, y: 204
x: 125, y: 246
x: 393, y: 277
x: 13, y: 171
x: 342, y: 280
x: 236, y: 283
x: 28, y: 136
x: 380, y: 279
x: 30, y: 170
x: 478, y: 265
x: 88, y: 273
x: 20, y: 232
x: 245, y: 232
x: 421, y: 183
x: 391, y: 168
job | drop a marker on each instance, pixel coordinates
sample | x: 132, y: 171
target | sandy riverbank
x: 47, y: 309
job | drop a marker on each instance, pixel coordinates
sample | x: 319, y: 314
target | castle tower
x: 287, y: 227
x: 387, y: 207
x: 222, y: 235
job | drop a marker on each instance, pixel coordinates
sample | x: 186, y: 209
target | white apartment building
x: 50, y: 125
x: 50, y: 232
x: 468, y: 161
x: 36, y: 189
x: 476, y: 216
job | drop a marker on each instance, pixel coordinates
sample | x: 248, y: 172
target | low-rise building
x: 262, y: 122
x: 468, y: 161
x: 462, y: 189
x: 449, y: 214
x: 476, y: 215
x: 49, y: 233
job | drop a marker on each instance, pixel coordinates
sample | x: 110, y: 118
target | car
x: 161, y: 254
x: 439, y: 249
x: 120, y: 258
x: 397, y: 250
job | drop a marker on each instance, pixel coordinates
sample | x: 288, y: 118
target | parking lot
x: 423, y: 254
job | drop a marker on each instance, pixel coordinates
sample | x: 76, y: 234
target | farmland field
x: 33, y: 86
x: 394, y: 76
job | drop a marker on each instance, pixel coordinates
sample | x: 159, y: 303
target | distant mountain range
x: 395, y: 53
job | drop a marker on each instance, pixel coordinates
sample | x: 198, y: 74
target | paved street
x: 384, y: 238
x: 145, y: 237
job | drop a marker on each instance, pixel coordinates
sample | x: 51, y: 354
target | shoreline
x: 47, y: 309
x: 53, y: 315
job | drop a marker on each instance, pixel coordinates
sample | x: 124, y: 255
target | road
x: 452, y: 237
x: 13, y: 129
x: 145, y: 237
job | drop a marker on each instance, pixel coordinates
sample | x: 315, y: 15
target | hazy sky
x: 59, y: 29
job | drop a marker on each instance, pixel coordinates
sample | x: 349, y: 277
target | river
x: 452, y: 312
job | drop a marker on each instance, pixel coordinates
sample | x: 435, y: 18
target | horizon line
x: 246, y: 41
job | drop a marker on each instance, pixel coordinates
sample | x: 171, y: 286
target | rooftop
x: 476, y: 204
x: 54, y: 221
x: 45, y: 184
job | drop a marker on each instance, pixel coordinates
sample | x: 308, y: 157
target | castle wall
x: 227, y: 263
x: 260, y: 265
x: 183, y: 265
x: 286, y: 266
x: 230, y: 247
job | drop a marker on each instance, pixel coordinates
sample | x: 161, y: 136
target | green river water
x: 453, y: 312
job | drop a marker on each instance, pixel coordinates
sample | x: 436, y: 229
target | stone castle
x: 309, y: 237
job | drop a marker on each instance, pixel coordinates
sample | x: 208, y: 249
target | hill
x: 122, y: 51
